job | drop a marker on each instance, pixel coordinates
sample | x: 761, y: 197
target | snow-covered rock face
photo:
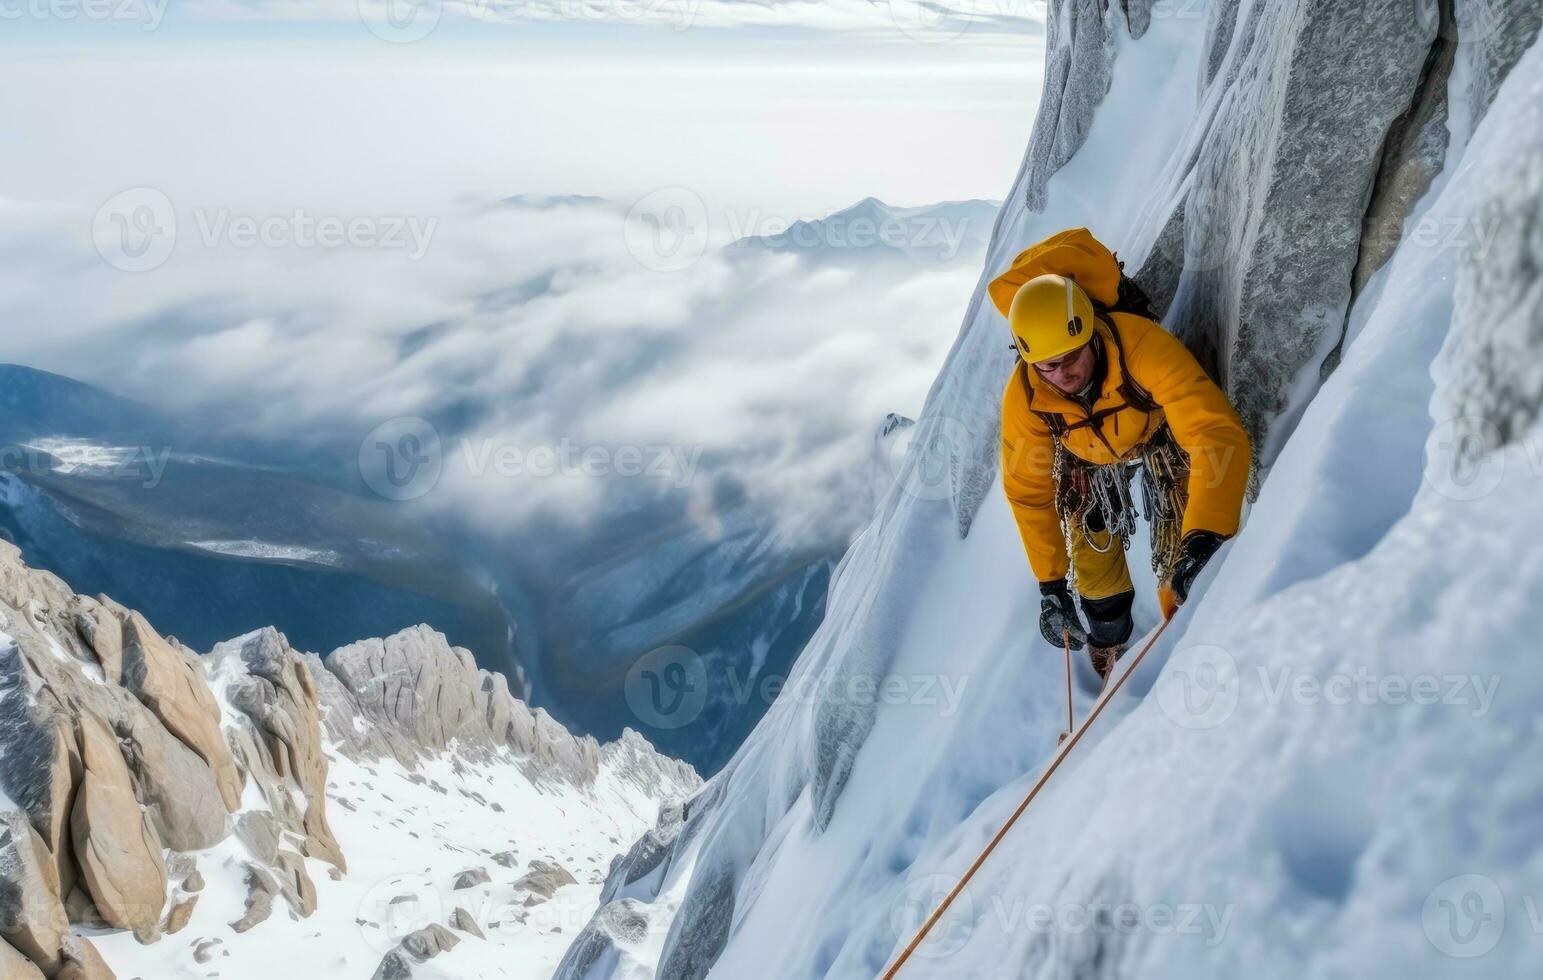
x: 1499, y: 312
x: 1327, y: 764
x: 1263, y: 228
x: 285, y: 813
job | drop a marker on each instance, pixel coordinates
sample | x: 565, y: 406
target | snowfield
x: 408, y: 836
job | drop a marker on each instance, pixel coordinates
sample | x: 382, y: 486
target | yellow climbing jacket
x: 1149, y: 378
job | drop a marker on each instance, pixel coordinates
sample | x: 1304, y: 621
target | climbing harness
x: 1055, y: 763
x: 1085, y: 490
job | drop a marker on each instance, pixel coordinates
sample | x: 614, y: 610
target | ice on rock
x: 1078, y: 52
x: 1267, y: 210
x: 1499, y: 313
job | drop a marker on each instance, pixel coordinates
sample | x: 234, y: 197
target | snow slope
x: 1327, y: 766
x: 407, y: 835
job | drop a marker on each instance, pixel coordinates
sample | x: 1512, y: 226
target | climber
x: 1100, y: 392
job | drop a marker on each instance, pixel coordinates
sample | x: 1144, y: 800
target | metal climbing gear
x: 1085, y: 489
x: 1164, y: 491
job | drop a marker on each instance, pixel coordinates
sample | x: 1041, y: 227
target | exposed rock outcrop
x: 261, y: 889
x: 118, y: 852
x: 82, y: 962
x: 126, y: 756
x: 14, y: 966
x: 471, y: 879
x: 462, y: 920
x: 276, y: 733
x: 119, y: 758
x: 419, y: 947
x: 95, y: 785
x: 32, y: 919
x: 420, y: 695
x: 171, y: 683
x: 544, y: 878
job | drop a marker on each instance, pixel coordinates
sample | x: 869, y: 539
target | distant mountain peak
x: 871, y: 228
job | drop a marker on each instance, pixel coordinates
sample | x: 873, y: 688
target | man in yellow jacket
x: 1097, y: 395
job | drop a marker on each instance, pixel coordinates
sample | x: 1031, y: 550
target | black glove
x: 1198, y: 549
x: 1058, y: 614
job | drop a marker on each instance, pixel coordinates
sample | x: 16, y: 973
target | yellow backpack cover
x: 1075, y: 254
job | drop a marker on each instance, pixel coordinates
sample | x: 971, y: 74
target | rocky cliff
x: 133, y: 770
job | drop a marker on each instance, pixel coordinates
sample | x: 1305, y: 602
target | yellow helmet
x: 1050, y: 316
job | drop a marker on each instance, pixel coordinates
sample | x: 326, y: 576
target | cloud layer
x: 411, y: 20
x: 306, y: 246
x: 554, y: 359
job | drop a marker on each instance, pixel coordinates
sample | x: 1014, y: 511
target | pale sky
x: 798, y: 121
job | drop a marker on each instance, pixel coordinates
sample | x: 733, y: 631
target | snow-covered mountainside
x: 1327, y: 765
x: 211, y: 534
x: 254, y: 812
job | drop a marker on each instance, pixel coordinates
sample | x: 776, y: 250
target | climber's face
x: 1069, y: 372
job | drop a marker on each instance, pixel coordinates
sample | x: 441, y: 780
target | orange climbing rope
x: 1060, y: 756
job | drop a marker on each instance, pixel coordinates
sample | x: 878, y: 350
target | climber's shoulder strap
x: 1131, y: 298
x: 1055, y: 422
x: 1135, y: 395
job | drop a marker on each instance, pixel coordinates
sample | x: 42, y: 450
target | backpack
x: 1078, y: 256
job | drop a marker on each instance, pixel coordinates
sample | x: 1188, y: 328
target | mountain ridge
x: 150, y: 790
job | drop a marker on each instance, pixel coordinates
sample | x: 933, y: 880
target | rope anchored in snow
x: 1055, y: 763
